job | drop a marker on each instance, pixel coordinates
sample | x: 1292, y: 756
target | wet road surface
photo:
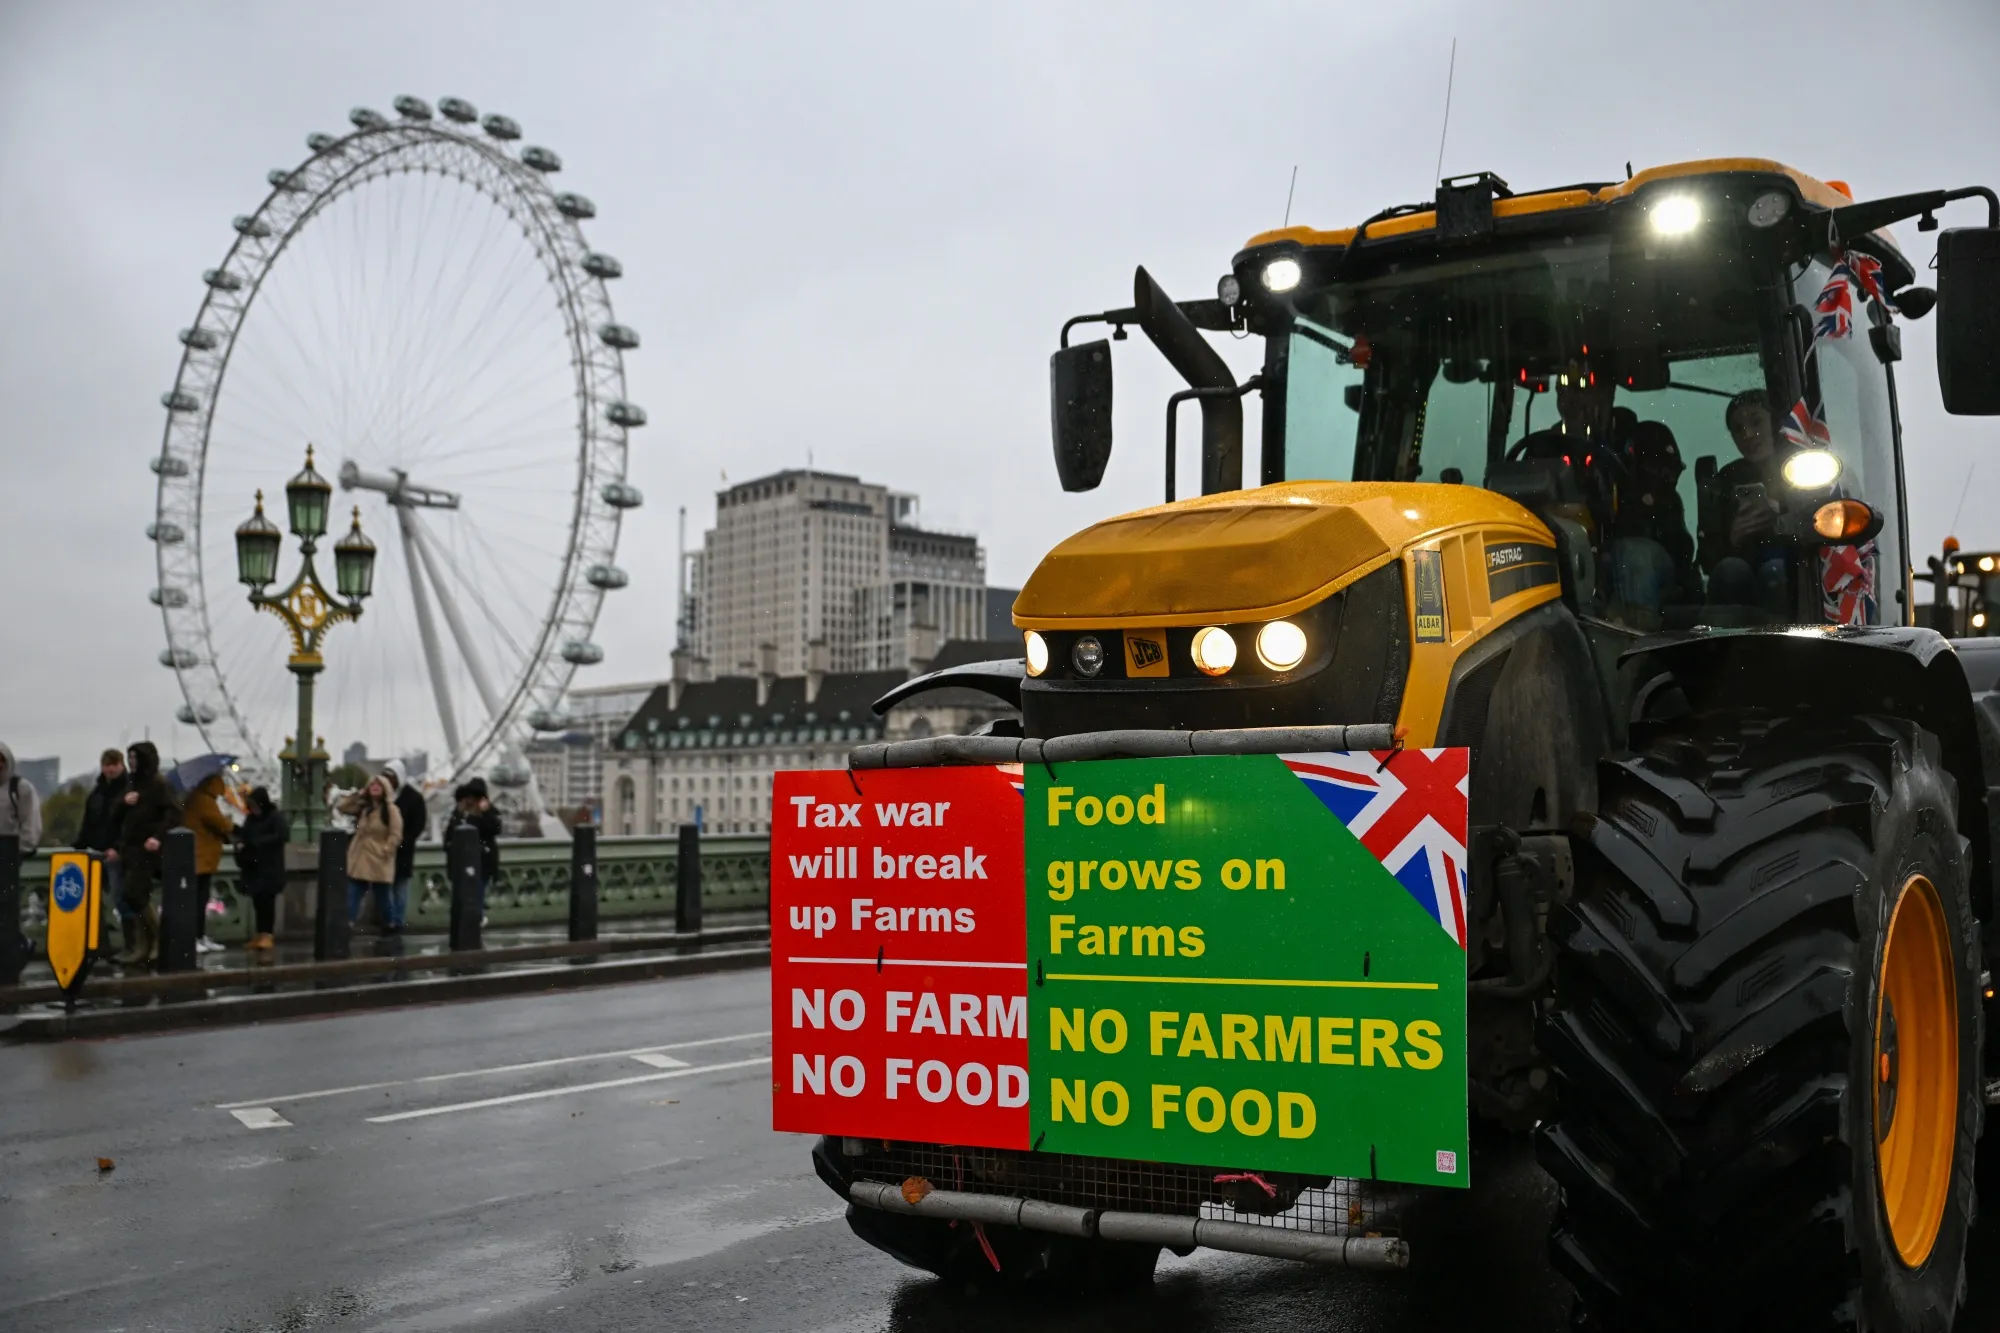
x: 591, y: 1160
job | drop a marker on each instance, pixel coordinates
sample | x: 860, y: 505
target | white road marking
x: 261, y: 1117
x: 658, y: 1061
x: 544, y: 1093
x: 913, y: 962
x: 496, y: 1069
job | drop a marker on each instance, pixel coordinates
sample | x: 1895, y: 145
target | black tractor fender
x: 1899, y: 671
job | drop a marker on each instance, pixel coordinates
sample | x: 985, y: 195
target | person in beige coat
x: 371, y: 852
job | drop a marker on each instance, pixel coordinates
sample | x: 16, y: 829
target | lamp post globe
x: 354, y: 563
x: 258, y: 543
x: 306, y: 499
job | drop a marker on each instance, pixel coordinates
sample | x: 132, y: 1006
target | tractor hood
x: 1250, y: 555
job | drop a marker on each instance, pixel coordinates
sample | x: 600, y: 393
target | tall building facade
x: 935, y: 592
x: 805, y: 557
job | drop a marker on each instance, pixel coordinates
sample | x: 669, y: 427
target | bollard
x: 178, y: 904
x: 13, y: 945
x: 331, y: 929
x: 687, y: 882
x: 461, y: 861
x: 583, y: 883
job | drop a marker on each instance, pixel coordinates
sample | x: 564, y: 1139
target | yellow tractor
x: 1603, y: 482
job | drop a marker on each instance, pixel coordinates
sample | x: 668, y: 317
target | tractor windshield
x: 1646, y: 399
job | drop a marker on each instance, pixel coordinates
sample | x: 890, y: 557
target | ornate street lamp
x: 307, y: 609
x: 306, y: 498
x: 258, y: 543
x: 354, y: 562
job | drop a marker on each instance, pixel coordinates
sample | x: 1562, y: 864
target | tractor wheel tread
x: 1711, y: 971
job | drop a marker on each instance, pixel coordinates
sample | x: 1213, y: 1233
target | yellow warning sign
x: 73, y: 906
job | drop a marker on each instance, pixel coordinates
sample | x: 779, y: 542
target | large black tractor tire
x: 1728, y: 1146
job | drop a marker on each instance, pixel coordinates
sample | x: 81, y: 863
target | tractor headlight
x: 1812, y: 469
x: 1281, y: 645
x: 1281, y: 275
x: 1038, y: 653
x: 1676, y: 215
x: 1214, y: 650
x: 1087, y: 655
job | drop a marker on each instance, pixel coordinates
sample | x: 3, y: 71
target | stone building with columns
x: 704, y: 751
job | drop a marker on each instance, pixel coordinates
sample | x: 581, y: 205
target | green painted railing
x: 636, y: 877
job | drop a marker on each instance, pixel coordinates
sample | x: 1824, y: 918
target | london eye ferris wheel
x: 417, y: 302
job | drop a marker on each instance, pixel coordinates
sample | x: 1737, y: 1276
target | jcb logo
x: 1145, y: 656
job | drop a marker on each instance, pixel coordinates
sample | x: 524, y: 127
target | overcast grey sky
x: 855, y: 229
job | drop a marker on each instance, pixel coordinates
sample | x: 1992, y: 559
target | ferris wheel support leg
x: 427, y: 629
x: 466, y: 648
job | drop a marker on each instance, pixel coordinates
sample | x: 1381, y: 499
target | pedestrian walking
x: 20, y: 815
x: 213, y: 830
x: 260, y: 863
x: 475, y: 809
x: 371, y: 851
x: 150, y: 810
x: 416, y: 819
x: 103, y: 813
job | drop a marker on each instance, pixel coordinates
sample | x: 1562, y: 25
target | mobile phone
x: 1753, y: 494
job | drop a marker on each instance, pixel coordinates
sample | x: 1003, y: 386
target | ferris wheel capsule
x: 458, y: 109
x: 602, y: 266
x: 619, y: 336
x: 319, y: 141
x: 623, y: 495
x: 367, y: 118
x: 543, y: 160
x: 222, y: 280
x: 582, y: 652
x: 621, y: 413
x: 180, y: 400
x: 168, y: 597
x: 192, y: 716
x: 501, y: 127
x: 575, y: 206
x: 180, y: 659
x: 166, y: 465
x: 412, y: 108
x: 608, y: 577
x: 166, y: 534
x: 201, y: 340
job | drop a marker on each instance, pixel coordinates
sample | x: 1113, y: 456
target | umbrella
x: 186, y: 776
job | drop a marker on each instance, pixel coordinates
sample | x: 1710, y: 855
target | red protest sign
x: 899, y: 983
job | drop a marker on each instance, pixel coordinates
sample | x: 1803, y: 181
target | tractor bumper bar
x: 1177, y: 1233
x: 1119, y: 745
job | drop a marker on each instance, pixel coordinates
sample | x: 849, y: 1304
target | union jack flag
x: 1408, y: 808
x: 1803, y: 430
x: 1867, y: 273
x: 1834, y: 310
x: 1847, y: 583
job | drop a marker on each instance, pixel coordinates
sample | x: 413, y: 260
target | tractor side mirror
x: 1080, y: 413
x: 1968, y: 315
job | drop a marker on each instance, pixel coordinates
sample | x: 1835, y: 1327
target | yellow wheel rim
x: 1916, y: 1071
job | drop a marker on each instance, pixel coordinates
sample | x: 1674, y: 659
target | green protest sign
x: 1251, y: 961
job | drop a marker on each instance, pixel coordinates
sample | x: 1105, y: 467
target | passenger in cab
x: 1738, y: 515
x: 1649, y: 557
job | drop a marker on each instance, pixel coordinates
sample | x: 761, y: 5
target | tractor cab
x: 1688, y: 377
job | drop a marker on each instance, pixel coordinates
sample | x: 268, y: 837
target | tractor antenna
x: 1451, y: 76
x: 1289, y: 189
x: 1963, y: 491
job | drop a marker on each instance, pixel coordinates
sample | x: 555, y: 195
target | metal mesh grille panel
x: 1334, y: 1207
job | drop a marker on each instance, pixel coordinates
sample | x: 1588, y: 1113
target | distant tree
x: 62, y: 816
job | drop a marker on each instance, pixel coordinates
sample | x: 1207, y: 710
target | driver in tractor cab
x: 1649, y: 554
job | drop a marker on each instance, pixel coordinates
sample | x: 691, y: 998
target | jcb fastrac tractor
x: 1604, y: 482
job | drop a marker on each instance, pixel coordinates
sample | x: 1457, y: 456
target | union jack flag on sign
x: 1408, y: 808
